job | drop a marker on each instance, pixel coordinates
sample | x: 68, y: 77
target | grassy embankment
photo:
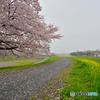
x: 83, y: 77
x: 27, y: 64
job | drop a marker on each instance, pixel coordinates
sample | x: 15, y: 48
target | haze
x: 79, y: 22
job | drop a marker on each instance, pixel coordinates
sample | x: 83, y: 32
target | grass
x: 84, y: 77
x: 10, y: 58
x: 27, y: 64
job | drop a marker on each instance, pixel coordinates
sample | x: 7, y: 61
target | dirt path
x: 23, y: 85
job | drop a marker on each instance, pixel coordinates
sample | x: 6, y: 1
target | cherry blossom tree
x: 23, y: 32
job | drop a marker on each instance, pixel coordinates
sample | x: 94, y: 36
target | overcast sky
x: 79, y: 21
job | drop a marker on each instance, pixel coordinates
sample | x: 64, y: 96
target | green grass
x: 9, y: 58
x: 84, y: 77
x: 27, y: 64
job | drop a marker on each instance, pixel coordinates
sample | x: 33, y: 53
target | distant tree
x: 88, y: 53
x: 23, y: 31
x: 53, y: 54
x: 97, y: 52
x: 73, y: 54
x: 80, y: 53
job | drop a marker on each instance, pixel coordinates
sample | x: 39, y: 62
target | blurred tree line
x: 88, y: 53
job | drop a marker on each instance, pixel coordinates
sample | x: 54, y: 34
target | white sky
x: 79, y: 21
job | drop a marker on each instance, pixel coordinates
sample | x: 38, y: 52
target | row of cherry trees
x: 23, y: 31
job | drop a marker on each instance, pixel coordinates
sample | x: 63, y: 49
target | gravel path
x: 23, y: 85
x: 4, y: 64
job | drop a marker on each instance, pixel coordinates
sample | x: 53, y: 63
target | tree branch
x: 6, y: 48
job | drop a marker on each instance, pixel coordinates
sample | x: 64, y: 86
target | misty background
x: 79, y: 22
